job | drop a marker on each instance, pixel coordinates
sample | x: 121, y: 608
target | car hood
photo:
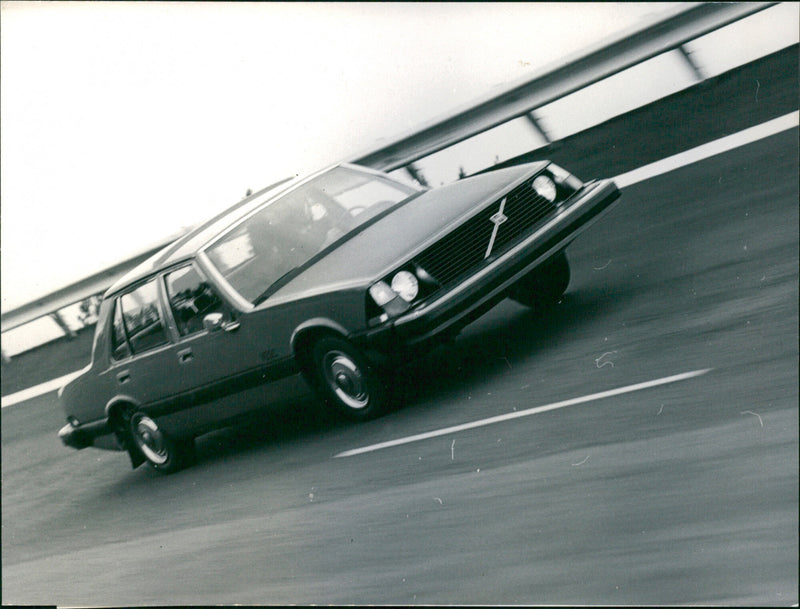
x: 395, y: 238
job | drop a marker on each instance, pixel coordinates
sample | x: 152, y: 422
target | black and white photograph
x: 399, y: 303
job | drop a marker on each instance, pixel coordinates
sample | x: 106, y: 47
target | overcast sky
x: 123, y: 122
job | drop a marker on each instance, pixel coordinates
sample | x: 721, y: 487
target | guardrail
x: 100, y: 281
x: 550, y: 84
x: 89, y: 286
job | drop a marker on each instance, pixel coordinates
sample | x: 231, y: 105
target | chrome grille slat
x: 462, y: 251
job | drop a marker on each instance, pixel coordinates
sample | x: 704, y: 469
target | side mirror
x: 213, y: 322
x: 216, y: 321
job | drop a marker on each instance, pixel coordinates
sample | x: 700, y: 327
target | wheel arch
x: 307, y: 333
x: 114, y: 411
x: 119, y: 403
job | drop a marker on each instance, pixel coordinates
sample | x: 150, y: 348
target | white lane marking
x: 729, y: 142
x: 32, y: 392
x: 524, y: 413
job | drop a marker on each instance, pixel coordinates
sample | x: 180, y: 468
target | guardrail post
x: 687, y: 55
x: 62, y: 324
x: 537, y: 125
x: 416, y: 174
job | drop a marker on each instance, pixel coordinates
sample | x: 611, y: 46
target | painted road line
x: 729, y: 142
x: 652, y: 170
x: 32, y: 392
x: 524, y: 413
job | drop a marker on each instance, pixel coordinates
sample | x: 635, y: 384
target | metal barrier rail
x: 550, y: 84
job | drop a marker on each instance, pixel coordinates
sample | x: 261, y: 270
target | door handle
x: 185, y: 355
x: 123, y: 377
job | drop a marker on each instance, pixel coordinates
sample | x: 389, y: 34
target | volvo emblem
x: 497, y: 219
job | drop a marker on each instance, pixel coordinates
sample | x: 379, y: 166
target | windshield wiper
x: 278, y: 284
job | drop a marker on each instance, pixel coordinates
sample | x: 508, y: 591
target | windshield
x: 278, y: 240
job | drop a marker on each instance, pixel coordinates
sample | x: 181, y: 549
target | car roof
x: 185, y: 247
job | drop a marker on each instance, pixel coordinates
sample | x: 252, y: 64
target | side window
x: 142, y: 319
x: 191, y: 299
x: 119, y: 344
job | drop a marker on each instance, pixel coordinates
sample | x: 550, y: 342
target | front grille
x: 463, y: 251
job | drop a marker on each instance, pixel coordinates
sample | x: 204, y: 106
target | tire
x: 162, y: 452
x: 347, y: 381
x: 542, y: 287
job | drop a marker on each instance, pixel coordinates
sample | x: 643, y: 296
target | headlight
x: 395, y: 296
x: 564, y: 177
x: 388, y: 300
x: 405, y: 284
x: 545, y: 187
x: 381, y: 293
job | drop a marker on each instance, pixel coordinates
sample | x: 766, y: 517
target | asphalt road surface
x: 681, y: 493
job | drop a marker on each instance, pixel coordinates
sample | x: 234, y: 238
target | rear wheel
x: 542, y: 287
x: 164, y: 453
x: 347, y: 380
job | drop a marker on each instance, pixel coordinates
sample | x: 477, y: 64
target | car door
x: 218, y: 352
x: 141, y: 348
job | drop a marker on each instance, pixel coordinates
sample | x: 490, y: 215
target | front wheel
x: 164, y: 453
x: 543, y: 286
x: 347, y: 381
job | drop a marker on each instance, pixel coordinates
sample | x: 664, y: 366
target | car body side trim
x: 84, y: 435
x: 232, y: 384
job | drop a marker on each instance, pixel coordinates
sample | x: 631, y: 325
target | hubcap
x: 346, y: 380
x: 149, y: 439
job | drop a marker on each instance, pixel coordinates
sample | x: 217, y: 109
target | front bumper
x: 449, y: 312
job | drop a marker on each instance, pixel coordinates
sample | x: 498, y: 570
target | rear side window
x: 141, y: 318
x: 119, y: 344
x: 191, y: 299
